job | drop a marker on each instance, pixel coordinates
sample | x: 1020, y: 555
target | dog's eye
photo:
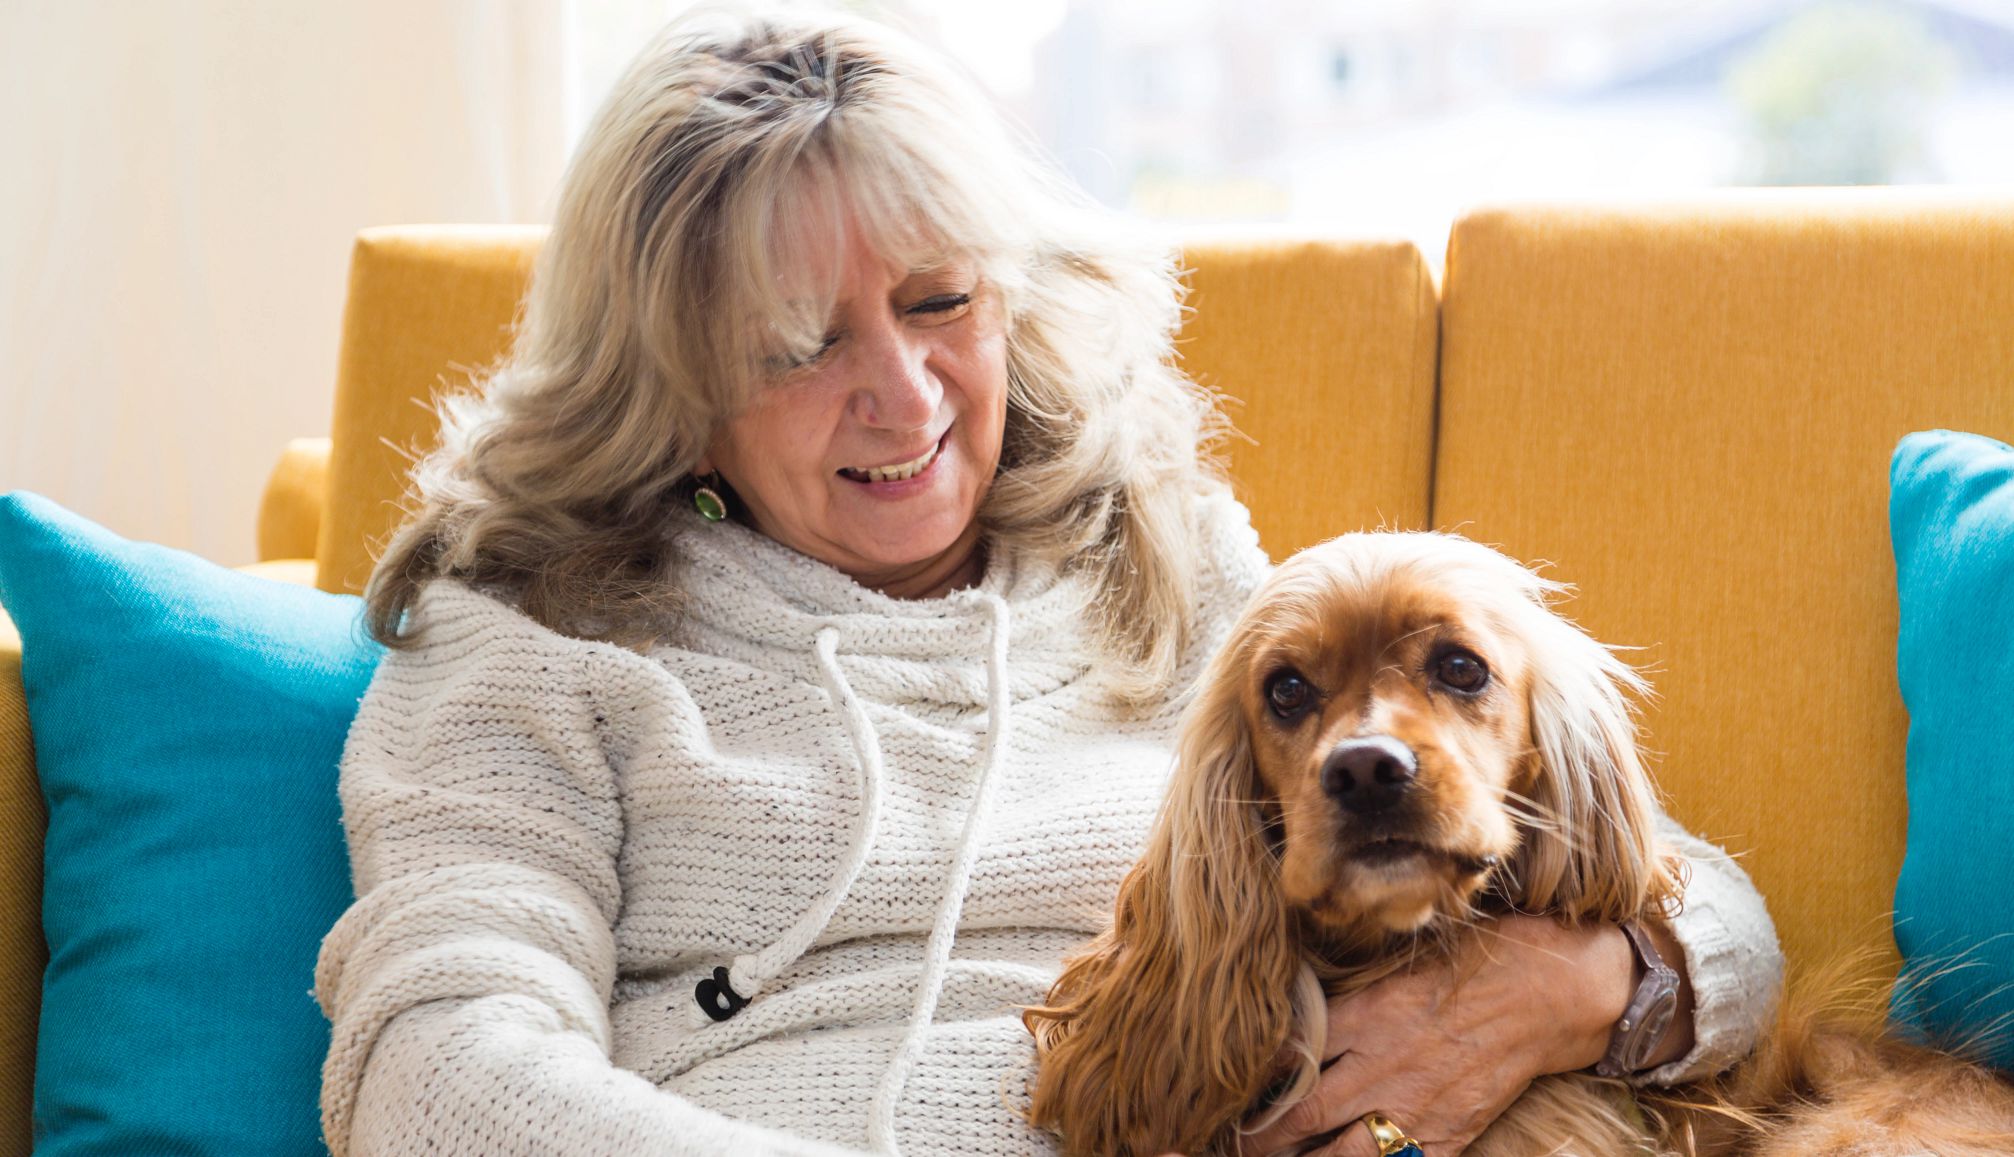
x: 1288, y: 694
x: 1462, y: 671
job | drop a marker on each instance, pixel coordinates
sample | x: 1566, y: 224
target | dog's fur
x: 1259, y: 896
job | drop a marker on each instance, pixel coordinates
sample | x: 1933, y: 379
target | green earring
x: 709, y: 503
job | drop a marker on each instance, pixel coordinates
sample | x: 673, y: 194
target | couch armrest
x: 290, y: 511
x: 22, y: 951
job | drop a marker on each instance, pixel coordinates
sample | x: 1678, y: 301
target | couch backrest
x: 1326, y: 350
x: 1688, y: 405
x: 1328, y: 345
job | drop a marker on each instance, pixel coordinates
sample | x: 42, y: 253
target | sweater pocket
x: 659, y: 1031
x: 968, y: 1092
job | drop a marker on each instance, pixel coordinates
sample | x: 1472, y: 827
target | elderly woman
x: 787, y: 649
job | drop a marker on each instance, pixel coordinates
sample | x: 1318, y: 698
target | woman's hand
x: 1441, y: 1050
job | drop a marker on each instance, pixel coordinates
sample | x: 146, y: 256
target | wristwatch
x: 1649, y: 1014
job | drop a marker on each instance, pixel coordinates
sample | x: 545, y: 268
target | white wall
x: 179, y: 184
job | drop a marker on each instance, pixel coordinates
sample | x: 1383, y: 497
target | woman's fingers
x: 1348, y: 1090
x: 1353, y: 1141
x: 1320, y: 1111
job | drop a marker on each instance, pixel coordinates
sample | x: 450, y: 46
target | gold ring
x: 1392, y: 1140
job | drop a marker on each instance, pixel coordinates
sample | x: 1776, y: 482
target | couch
x: 1683, y: 405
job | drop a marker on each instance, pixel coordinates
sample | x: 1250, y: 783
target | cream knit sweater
x: 562, y: 849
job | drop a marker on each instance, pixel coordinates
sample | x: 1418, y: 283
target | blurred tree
x: 1840, y: 94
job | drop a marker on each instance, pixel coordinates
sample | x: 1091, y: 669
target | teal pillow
x: 187, y: 720
x: 1951, y: 516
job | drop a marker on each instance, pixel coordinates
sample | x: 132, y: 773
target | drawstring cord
x: 881, y: 1121
x: 748, y: 974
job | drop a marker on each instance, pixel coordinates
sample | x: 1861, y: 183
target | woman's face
x: 874, y: 456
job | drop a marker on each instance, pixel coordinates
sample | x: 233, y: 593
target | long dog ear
x: 1167, y: 1027
x: 1592, y: 852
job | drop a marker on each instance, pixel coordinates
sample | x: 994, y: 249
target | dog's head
x: 1397, y: 727
x: 1416, y: 725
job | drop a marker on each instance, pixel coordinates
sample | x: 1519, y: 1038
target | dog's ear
x: 1161, y: 1033
x: 1592, y: 850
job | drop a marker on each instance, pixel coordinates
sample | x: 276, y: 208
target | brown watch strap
x: 1649, y: 1014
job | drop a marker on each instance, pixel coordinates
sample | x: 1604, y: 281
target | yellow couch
x: 1686, y: 405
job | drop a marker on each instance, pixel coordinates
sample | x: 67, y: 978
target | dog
x: 1400, y: 735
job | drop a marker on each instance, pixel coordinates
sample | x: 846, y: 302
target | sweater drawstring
x: 937, y: 953
x: 750, y: 972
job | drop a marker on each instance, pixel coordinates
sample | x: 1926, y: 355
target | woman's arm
x: 1730, y: 966
x: 1608, y: 980
x: 468, y: 986
x: 503, y: 1075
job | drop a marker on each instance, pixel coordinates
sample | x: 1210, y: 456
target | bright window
x: 1394, y: 117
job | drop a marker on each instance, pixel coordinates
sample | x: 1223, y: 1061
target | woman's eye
x: 1288, y: 694
x: 783, y: 365
x: 1461, y: 671
x: 942, y: 303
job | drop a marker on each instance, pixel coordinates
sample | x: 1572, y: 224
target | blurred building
x: 1387, y: 116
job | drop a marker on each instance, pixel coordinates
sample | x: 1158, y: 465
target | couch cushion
x: 1688, y: 406
x: 187, y: 723
x: 1951, y: 517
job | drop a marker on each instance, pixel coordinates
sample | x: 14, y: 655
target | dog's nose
x: 1369, y: 773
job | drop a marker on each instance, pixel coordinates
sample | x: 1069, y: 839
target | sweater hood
x: 754, y: 599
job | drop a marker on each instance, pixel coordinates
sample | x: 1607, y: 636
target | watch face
x: 1651, y: 1030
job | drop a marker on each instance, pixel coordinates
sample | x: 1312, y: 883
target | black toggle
x: 718, y: 997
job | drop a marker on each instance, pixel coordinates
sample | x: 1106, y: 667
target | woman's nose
x: 898, y: 390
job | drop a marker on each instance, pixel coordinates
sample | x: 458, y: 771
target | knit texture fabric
x: 561, y: 848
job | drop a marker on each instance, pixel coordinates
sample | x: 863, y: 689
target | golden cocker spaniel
x: 1400, y: 735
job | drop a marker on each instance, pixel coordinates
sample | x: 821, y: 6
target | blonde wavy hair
x: 673, y: 280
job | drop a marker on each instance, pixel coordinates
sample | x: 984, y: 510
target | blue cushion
x: 188, y: 721
x: 1951, y: 516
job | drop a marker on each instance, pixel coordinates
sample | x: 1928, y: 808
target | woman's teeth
x: 894, y: 473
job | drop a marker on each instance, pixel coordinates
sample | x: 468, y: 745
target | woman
x: 823, y: 575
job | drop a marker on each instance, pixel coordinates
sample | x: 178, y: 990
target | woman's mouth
x: 898, y: 472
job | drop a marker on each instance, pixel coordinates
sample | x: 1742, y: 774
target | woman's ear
x: 1169, y: 1026
x: 1592, y: 852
